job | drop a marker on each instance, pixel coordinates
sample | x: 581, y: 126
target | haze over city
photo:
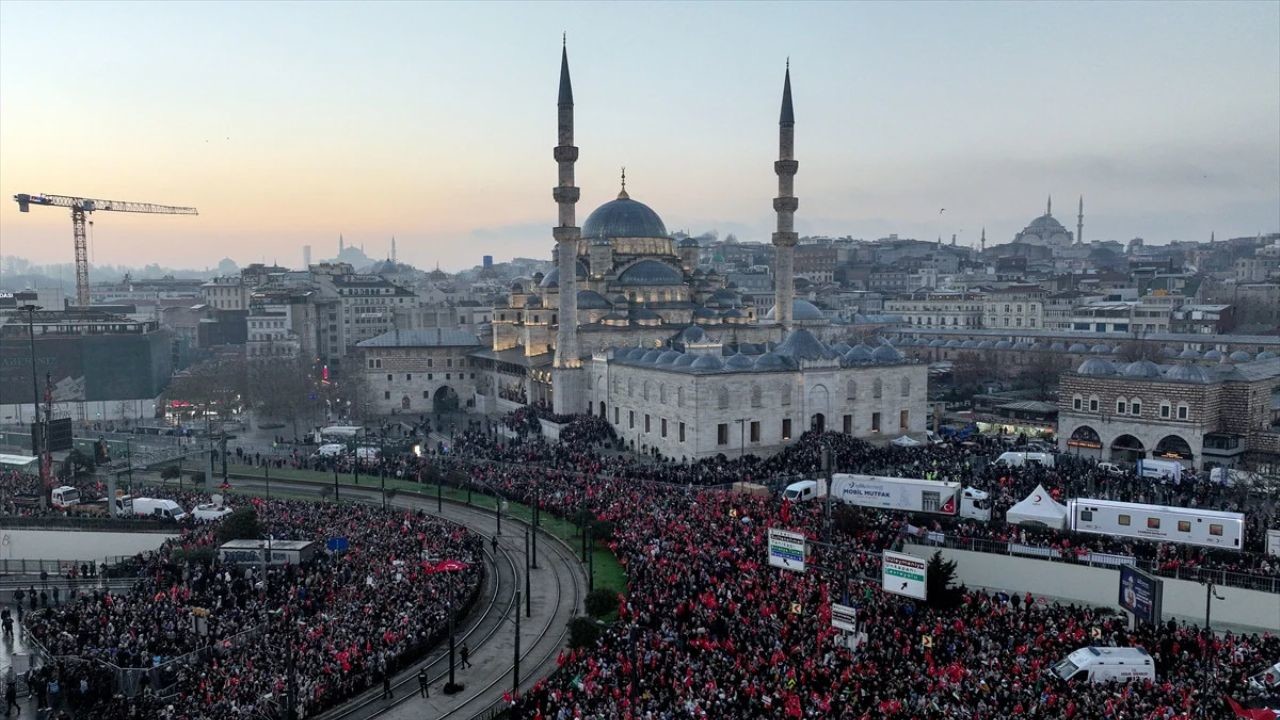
x: 433, y: 123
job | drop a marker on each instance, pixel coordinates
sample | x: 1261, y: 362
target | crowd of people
x: 341, y: 621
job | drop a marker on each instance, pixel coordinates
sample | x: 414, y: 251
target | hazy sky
x: 287, y: 124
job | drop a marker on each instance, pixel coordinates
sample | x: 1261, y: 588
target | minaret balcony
x: 785, y: 204
x: 565, y: 194
x: 786, y: 167
x: 566, y: 153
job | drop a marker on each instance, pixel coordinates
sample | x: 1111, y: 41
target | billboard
x: 1273, y: 542
x: 786, y: 550
x: 1141, y: 594
x: 59, y: 434
x: 903, y: 574
x: 844, y: 617
x: 120, y: 366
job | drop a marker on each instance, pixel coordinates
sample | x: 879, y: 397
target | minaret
x: 393, y: 248
x: 566, y: 233
x: 1048, y: 208
x: 340, y: 243
x: 1080, y: 223
x: 784, y: 240
x: 983, y: 240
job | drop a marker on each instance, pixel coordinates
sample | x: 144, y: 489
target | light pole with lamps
x: 38, y: 438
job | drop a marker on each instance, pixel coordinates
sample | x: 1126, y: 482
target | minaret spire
x: 1080, y: 223
x: 568, y: 362
x: 983, y: 240
x: 622, y: 195
x: 1048, y: 208
x: 784, y: 240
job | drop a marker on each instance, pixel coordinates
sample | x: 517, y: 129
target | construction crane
x: 79, y: 208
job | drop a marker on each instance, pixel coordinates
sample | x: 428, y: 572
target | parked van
x: 1103, y: 664
x: 209, y: 512
x: 801, y: 491
x: 1110, y: 468
x: 330, y: 450
x: 1021, y: 459
x: 164, y: 509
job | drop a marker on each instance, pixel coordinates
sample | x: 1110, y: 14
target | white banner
x: 786, y: 550
x: 1273, y: 542
x: 844, y: 617
x: 903, y: 574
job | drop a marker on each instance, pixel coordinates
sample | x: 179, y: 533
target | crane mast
x: 79, y: 208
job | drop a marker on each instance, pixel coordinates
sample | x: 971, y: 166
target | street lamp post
x: 527, y: 567
x: 38, y: 438
x: 1210, y: 595
x: 335, y: 480
x: 382, y: 466
x: 537, y: 501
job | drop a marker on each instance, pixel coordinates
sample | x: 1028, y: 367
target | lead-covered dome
x: 650, y: 272
x: 1096, y: 366
x: 801, y: 310
x: 623, y: 218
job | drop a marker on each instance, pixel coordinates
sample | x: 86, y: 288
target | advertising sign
x: 1141, y: 594
x: 844, y: 617
x: 903, y: 574
x: 1273, y: 542
x: 786, y: 550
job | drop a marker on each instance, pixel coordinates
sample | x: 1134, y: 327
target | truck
x: 903, y: 494
x: 1167, y: 470
x: 158, y: 508
x: 64, y: 497
x: 1104, y: 664
x: 1021, y: 459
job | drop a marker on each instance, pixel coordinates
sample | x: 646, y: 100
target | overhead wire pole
x: 39, y: 438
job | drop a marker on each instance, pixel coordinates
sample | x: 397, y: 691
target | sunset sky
x: 288, y: 124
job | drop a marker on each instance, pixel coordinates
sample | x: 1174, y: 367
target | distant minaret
x: 953, y: 239
x: 567, y: 235
x: 1048, y: 208
x: 1212, y: 236
x: 393, y: 248
x: 1080, y: 223
x: 341, y: 244
x: 983, y: 240
x: 785, y: 206
x: 306, y: 256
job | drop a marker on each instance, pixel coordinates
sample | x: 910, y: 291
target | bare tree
x: 1043, y: 371
x: 283, y: 388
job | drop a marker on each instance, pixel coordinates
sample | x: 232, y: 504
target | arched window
x: 1093, y: 403
x: 644, y: 391
x: 1077, y: 402
x: 1121, y: 406
x: 1135, y: 406
x: 722, y: 398
x: 662, y: 394
x: 852, y: 392
x: 631, y: 387
x: 906, y: 387
x: 680, y: 396
x: 877, y: 389
x: 756, y: 395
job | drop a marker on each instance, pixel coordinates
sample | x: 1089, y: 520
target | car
x: 1110, y: 468
x: 210, y: 512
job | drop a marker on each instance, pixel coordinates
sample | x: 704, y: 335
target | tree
x: 940, y: 583
x: 1043, y: 371
x: 968, y: 370
x: 601, y: 602
x: 77, y: 462
x: 217, y: 385
x: 282, y: 389
x: 241, y: 524
x: 583, y: 632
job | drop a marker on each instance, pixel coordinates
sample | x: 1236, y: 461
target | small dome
x: 1266, y: 355
x: 802, y: 345
x: 685, y: 360
x: 552, y: 279
x: 1078, y: 348
x: 688, y: 243
x: 533, y: 303
x: 645, y: 313
x: 619, y: 299
x: 1213, y: 355
x: 1188, y: 373
x: 592, y: 300
x: 1005, y: 345
x: 886, y: 354
x: 801, y: 310
x: 1240, y: 356
x: 841, y: 347
x: 1117, y: 349
x: 1142, y: 369
x: 624, y: 218
x: 738, y: 361
x: 1096, y: 366
x: 1100, y: 349
x: 986, y: 345
x: 651, y: 356
x: 953, y: 344
x: 707, y: 362
x: 1057, y: 347
x: 517, y: 286
x: 937, y: 342
x: 693, y: 334
x: 771, y: 361
x: 669, y: 357
x: 1189, y: 354
x: 858, y: 354
x: 636, y: 353
x: 969, y: 344
x: 706, y: 313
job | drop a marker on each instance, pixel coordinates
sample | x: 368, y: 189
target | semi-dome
x: 1077, y: 348
x: 650, y: 272
x: 1142, y: 369
x: 738, y: 361
x: 592, y: 300
x: 1240, y: 356
x: 624, y: 218
x: 801, y: 310
x: 1096, y: 366
x: 707, y: 362
x: 552, y: 279
x: 886, y: 354
x: 1188, y: 373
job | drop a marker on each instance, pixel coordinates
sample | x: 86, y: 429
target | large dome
x: 650, y: 272
x: 1045, y: 224
x: 624, y: 218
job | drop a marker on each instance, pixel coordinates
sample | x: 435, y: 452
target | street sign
x: 903, y: 574
x: 844, y: 617
x: 338, y: 544
x: 786, y: 550
x: 1141, y: 594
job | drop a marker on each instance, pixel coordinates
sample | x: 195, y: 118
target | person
x: 386, y: 683
x: 466, y: 653
x: 424, y: 683
x: 494, y: 542
x: 11, y: 697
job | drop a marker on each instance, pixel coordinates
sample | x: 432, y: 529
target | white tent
x: 906, y: 441
x: 1039, y: 508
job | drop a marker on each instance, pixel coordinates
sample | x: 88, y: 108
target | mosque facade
x: 627, y: 326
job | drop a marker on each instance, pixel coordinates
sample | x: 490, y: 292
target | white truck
x: 1103, y: 664
x: 903, y: 494
x: 1022, y: 459
x: 158, y: 508
x: 1169, y: 470
x: 64, y: 497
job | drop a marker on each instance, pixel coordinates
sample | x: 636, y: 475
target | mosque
x: 628, y: 327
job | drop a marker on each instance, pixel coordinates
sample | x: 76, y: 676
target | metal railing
x: 64, y: 522
x: 1229, y: 578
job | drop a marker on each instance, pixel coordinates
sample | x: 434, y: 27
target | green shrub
x: 602, y: 602
x: 583, y: 632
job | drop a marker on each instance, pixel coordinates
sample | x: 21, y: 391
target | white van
x: 209, y: 512
x: 801, y: 491
x: 330, y: 450
x: 1103, y: 664
x: 1021, y: 459
x: 164, y: 509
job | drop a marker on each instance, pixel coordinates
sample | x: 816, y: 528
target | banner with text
x: 903, y: 574
x: 786, y: 549
x: 844, y: 617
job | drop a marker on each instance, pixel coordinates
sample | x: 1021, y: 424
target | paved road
x: 558, y: 590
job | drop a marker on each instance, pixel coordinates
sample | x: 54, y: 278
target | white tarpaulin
x: 906, y: 441
x: 1039, y: 508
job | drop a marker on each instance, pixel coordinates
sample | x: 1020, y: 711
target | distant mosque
x: 1046, y: 231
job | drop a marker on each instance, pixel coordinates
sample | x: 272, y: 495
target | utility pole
x: 266, y: 473
x: 439, y: 494
x: 515, y: 685
x: 826, y: 500
x: 39, y: 439
x: 335, y: 480
x: 742, y: 437
x: 537, y: 500
x: 528, y: 612
x: 1209, y: 596
x: 382, y: 466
